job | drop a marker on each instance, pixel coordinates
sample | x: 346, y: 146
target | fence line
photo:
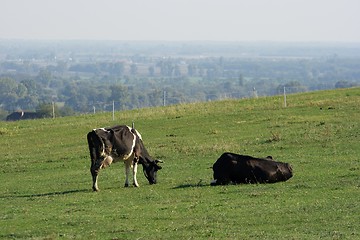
x: 169, y: 100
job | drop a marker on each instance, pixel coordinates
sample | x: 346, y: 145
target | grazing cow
x: 231, y: 167
x: 16, y: 116
x: 107, y: 145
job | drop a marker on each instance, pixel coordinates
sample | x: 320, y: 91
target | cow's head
x: 289, y: 168
x: 150, y: 169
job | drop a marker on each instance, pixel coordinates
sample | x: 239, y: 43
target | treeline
x: 81, y: 82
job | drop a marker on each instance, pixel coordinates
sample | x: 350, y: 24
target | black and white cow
x: 107, y: 145
x: 231, y: 167
x: 21, y: 115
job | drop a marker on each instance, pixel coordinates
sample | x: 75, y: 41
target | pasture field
x: 46, y: 183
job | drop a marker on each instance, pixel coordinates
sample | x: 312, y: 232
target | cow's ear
x: 158, y: 167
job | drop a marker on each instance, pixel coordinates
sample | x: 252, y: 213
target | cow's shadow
x: 45, y: 194
x: 192, y: 185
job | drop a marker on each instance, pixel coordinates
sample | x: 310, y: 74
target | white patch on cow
x: 137, y: 133
x: 136, y: 184
x: 95, y: 184
x: 129, y: 128
x: 102, y: 129
x: 126, y: 156
x: 213, y: 181
x: 128, y: 165
x: 103, y: 153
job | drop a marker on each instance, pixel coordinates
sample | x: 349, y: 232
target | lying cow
x: 107, y: 145
x: 231, y: 167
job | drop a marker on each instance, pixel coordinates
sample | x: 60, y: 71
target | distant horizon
x: 255, y: 49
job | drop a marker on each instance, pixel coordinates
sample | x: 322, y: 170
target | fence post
x: 284, y: 97
x: 255, y: 95
x: 113, y: 111
x: 164, y: 98
x: 53, y: 109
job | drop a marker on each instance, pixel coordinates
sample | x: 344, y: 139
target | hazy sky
x: 179, y: 20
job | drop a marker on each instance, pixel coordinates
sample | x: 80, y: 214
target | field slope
x: 46, y: 184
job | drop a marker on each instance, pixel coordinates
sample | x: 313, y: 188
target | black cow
x: 16, y: 116
x: 231, y: 167
x: 107, y: 145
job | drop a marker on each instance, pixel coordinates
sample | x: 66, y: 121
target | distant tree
x: 133, y: 69
x: 177, y: 70
x: 201, y: 72
x: 3, y: 114
x: 143, y: 99
x: 155, y: 97
x: 66, y: 111
x: 7, y: 85
x: 45, y: 110
x: 62, y: 66
x: 166, y: 67
x: 78, y: 103
x: 345, y: 84
x: 8, y: 93
x: 119, y: 94
x: 21, y: 90
x: 70, y: 89
x: 241, y: 80
x: 117, y: 69
x: 85, y: 68
x: 44, y: 77
x: 28, y: 102
x: 151, y: 71
x: 228, y: 86
x: 191, y: 70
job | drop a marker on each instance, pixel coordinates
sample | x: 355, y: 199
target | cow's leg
x: 135, y: 165
x: 94, y: 172
x: 213, y: 182
x: 95, y: 168
x: 127, y: 171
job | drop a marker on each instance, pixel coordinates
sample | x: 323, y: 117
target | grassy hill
x: 46, y: 183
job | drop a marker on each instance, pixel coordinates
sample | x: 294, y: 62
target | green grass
x: 46, y: 183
